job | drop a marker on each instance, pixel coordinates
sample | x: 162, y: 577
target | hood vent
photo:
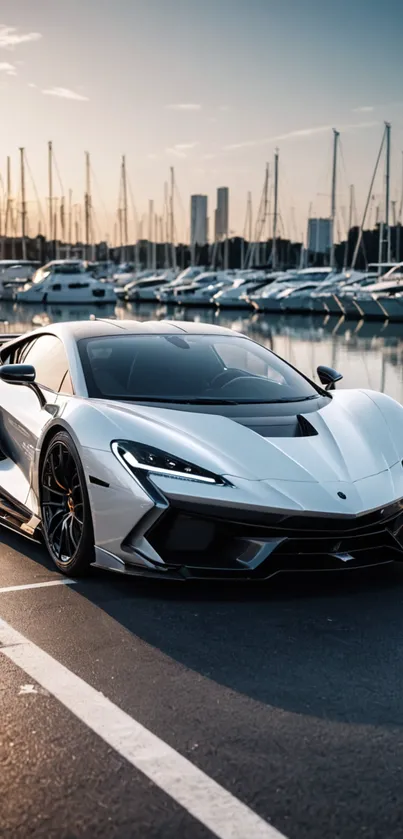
x: 291, y: 426
x: 306, y: 428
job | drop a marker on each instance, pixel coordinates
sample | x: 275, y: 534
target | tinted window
x: 48, y: 356
x: 67, y: 269
x: 190, y: 367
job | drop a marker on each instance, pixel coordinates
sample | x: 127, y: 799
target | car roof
x: 99, y: 327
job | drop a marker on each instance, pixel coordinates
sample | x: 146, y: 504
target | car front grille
x: 185, y: 536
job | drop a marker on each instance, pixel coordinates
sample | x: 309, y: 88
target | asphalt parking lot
x: 132, y: 708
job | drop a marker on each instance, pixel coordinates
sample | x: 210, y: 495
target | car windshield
x: 190, y: 368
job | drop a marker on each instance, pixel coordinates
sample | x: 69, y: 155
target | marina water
x: 368, y: 354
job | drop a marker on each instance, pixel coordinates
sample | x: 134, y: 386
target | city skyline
x: 143, y: 82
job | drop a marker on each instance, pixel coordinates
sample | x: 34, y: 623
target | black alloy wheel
x: 66, y: 514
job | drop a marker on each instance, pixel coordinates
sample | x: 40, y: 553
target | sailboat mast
x: 69, y: 235
x: 247, y: 233
x: 349, y: 226
x: 263, y: 233
x: 50, y: 179
x: 23, y: 207
x: 150, y: 234
x: 62, y: 221
x: 76, y: 225
x: 399, y: 220
x: 57, y: 254
x: 166, y: 226
x: 154, y: 234
x: 8, y: 202
x: 173, y: 219
x: 250, y: 217
x: 370, y: 193
x: 275, y: 214
x: 336, y: 136
x: 394, y: 220
x: 387, y: 194
x: 384, y: 229
x: 254, y: 248
x: 125, y: 224
x: 120, y: 216
x: 137, y: 245
x: 87, y: 201
x: 55, y: 228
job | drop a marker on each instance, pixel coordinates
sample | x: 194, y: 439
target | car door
x: 22, y: 417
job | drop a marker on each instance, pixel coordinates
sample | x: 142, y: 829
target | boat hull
x: 66, y: 298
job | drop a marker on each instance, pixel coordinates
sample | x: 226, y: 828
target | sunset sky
x: 208, y: 86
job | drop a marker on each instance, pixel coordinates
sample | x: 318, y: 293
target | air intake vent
x: 306, y: 429
x: 286, y: 426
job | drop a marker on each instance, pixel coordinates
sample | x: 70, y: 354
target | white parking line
x: 223, y: 814
x: 37, y: 585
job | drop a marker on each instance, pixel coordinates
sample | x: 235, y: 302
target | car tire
x: 65, y: 507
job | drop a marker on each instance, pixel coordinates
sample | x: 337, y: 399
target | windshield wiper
x: 207, y: 400
x: 294, y: 399
x: 176, y: 400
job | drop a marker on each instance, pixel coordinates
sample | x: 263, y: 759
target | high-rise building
x: 198, y: 220
x: 222, y: 213
x: 319, y: 235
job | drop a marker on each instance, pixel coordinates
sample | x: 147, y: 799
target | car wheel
x: 66, y: 512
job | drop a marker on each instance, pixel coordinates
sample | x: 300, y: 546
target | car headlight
x: 137, y: 457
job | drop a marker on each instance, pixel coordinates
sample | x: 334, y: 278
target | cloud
x: 7, y: 68
x: 181, y: 149
x: 301, y: 132
x: 186, y: 106
x: 364, y: 109
x: 200, y: 172
x: 185, y: 146
x: 355, y: 125
x: 10, y: 38
x: 32, y: 84
x: 65, y: 93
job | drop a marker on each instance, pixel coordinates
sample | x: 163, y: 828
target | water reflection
x: 369, y: 355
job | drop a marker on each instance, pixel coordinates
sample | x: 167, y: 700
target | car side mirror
x: 17, y: 374
x: 328, y: 377
x: 22, y: 374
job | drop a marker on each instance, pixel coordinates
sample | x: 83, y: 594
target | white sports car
x: 187, y: 450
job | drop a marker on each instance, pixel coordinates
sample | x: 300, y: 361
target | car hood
x: 358, y: 435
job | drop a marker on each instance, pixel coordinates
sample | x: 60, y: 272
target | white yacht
x: 125, y: 273
x: 236, y: 296
x: 13, y: 275
x: 336, y: 297
x: 381, y: 269
x: 144, y: 290
x: 192, y: 293
x: 369, y: 303
x: 271, y: 298
x: 65, y: 281
x: 369, y: 296
x: 299, y: 299
x: 186, y: 277
x: 202, y: 295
